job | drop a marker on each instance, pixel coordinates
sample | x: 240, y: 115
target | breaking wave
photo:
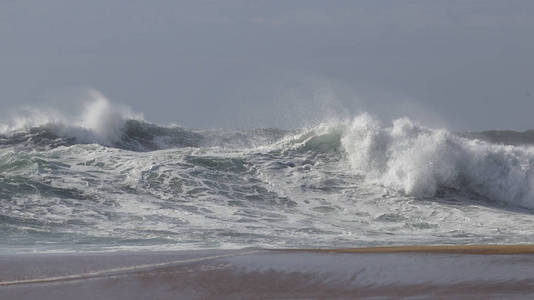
x: 425, y: 162
x: 405, y: 157
x: 106, y: 179
x: 102, y: 123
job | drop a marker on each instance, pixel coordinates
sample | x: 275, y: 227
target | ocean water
x: 109, y: 181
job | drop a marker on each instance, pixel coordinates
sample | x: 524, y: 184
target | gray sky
x: 461, y: 64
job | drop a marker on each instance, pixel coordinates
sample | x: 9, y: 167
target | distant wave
x: 100, y: 123
x: 504, y: 137
x: 138, y: 135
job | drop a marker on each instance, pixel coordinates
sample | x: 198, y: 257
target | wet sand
x: 387, y: 272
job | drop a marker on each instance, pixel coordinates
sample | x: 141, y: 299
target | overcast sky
x: 466, y: 65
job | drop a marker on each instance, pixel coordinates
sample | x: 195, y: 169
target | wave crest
x: 423, y: 162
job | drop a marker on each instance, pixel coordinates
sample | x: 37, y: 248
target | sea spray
x: 103, y: 120
x: 99, y: 121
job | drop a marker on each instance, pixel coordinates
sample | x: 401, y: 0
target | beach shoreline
x: 420, y: 271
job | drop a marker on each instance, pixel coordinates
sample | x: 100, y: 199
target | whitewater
x: 107, y: 180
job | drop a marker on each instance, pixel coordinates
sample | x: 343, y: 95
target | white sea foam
x: 420, y: 161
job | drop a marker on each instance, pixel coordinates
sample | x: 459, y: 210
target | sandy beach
x: 389, y: 272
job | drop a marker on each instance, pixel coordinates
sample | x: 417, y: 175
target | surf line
x: 122, y: 270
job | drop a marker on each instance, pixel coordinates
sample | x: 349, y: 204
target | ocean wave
x: 101, y: 123
x: 405, y: 157
x: 424, y: 162
x: 107, y: 178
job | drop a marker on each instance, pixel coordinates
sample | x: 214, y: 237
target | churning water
x: 113, y: 181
